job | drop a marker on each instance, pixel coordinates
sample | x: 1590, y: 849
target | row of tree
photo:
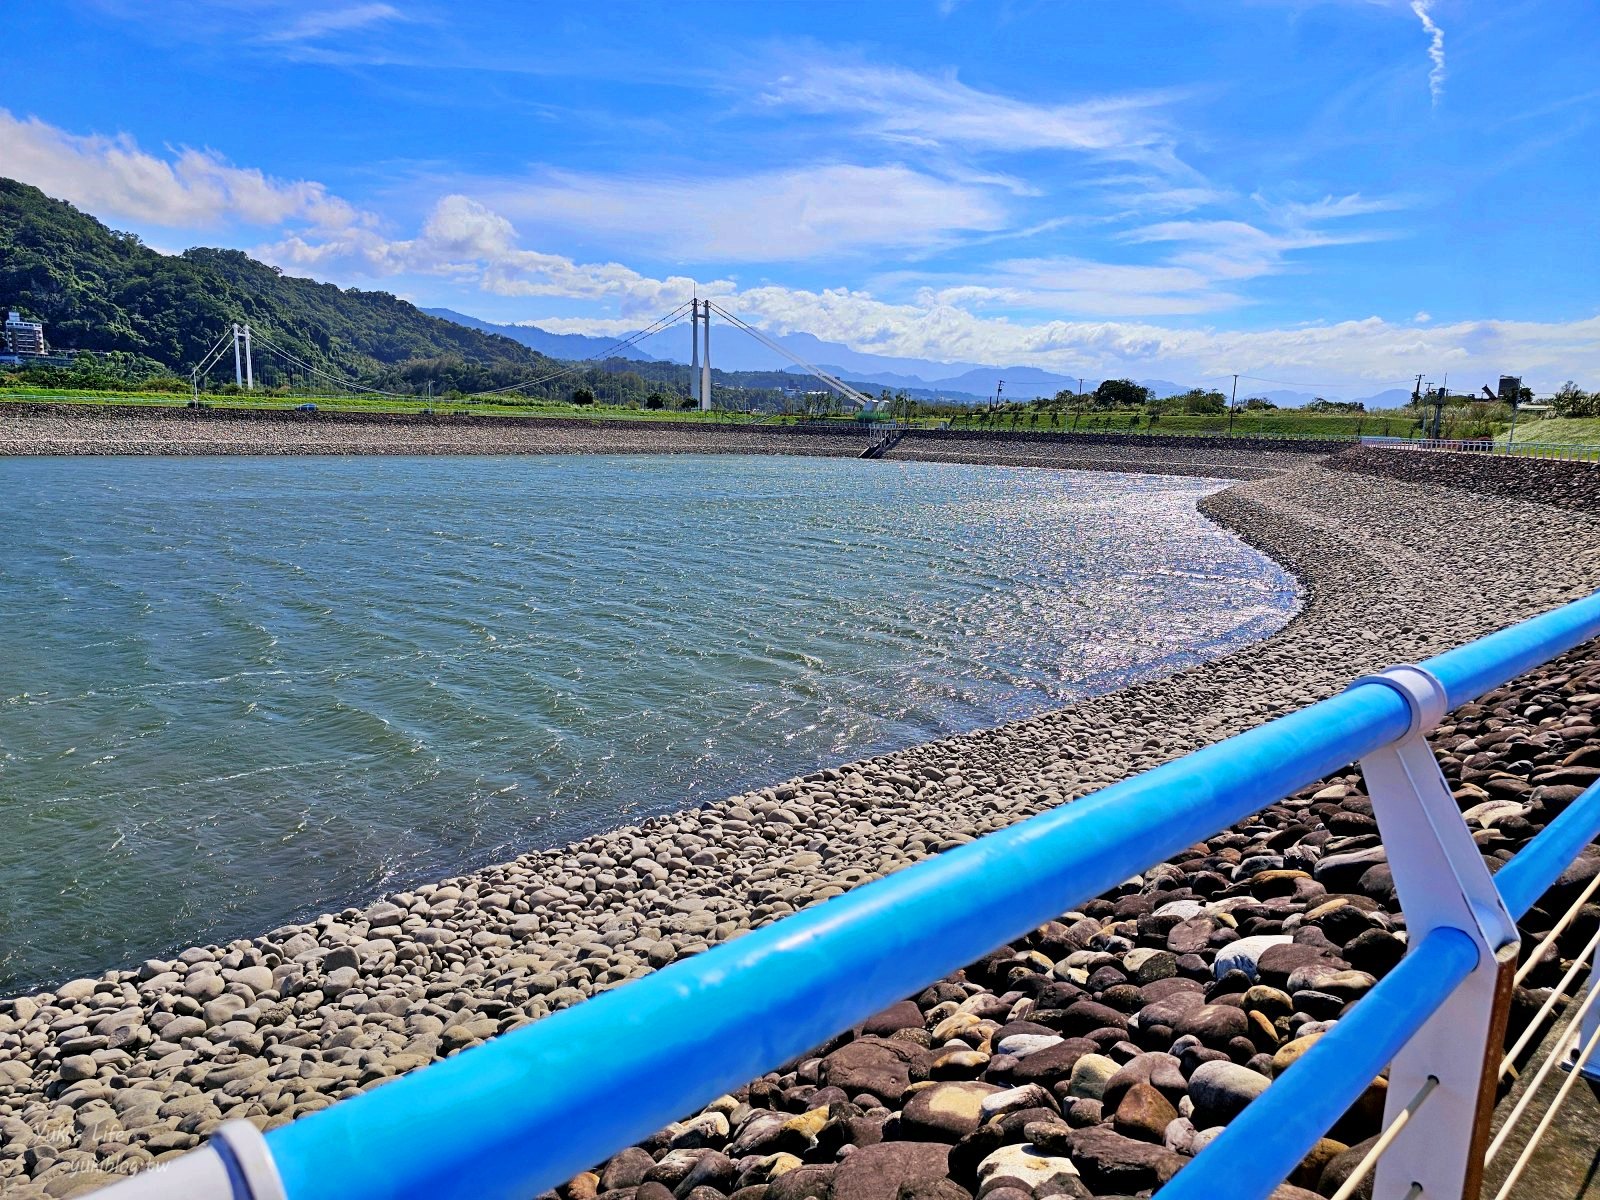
x: 1117, y: 394
x: 1571, y: 400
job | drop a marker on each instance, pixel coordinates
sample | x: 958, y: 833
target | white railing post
x: 1440, y: 879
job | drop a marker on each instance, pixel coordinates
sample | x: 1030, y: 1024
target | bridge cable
x: 210, y: 357
x: 838, y: 385
x: 342, y: 380
x: 657, y: 326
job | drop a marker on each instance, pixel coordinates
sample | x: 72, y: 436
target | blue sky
x: 1338, y: 195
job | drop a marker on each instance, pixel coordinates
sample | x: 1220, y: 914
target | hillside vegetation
x: 98, y: 289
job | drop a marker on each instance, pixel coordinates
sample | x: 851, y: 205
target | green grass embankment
x: 1556, y: 431
x: 1281, y: 423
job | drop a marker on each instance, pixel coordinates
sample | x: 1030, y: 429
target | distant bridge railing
x: 534, y: 1107
x: 1554, y: 451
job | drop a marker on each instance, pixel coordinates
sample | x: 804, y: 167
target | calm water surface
x: 238, y: 691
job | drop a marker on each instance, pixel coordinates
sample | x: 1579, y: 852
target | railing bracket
x: 1441, y: 881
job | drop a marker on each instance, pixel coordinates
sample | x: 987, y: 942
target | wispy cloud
x: 319, y: 23
x: 1236, y: 250
x: 932, y: 111
x: 1435, y: 48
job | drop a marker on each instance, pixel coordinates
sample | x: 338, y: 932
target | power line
x: 1312, y: 386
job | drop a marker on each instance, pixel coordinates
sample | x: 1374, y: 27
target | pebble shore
x: 58, y: 430
x: 76, y: 430
x: 1090, y: 1060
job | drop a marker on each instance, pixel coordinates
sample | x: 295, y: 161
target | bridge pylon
x: 705, y: 361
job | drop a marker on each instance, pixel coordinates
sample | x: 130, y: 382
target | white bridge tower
x: 243, y: 374
x: 700, y: 364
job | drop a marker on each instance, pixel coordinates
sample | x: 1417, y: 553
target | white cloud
x: 113, y: 178
x: 988, y: 320
x: 1435, y: 48
x: 465, y: 239
x: 1356, y: 356
x: 771, y: 216
x: 1084, y: 287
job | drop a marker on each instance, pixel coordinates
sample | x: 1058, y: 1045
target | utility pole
x: 1232, y: 400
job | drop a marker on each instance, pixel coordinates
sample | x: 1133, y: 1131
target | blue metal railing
x: 534, y: 1107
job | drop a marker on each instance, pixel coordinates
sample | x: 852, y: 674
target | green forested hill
x: 97, y: 289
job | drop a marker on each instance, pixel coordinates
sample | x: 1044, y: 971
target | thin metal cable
x: 1549, y: 939
x: 1560, y: 990
x: 1538, y: 1081
x: 341, y: 380
x: 659, y: 325
x: 209, y: 358
x: 1523, y: 1159
x: 579, y: 365
x: 1364, y: 1167
x: 838, y: 385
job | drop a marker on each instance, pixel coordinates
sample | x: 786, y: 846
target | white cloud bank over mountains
x: 1006, y: 318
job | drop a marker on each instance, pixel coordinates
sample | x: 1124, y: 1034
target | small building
x: 24, y: 337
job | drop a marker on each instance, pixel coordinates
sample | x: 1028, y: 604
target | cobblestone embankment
x: 1573, y: 485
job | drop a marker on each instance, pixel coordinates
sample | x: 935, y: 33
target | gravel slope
x: 105, y: 1075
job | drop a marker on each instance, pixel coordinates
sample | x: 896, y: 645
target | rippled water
x: 238, y: 691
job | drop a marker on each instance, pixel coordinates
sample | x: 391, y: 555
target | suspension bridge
x: 245, y: 342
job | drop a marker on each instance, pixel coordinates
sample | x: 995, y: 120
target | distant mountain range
x: 572, y: 346
x: 961, y: 381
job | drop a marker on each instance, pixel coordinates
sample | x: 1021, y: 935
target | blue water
x: 239, y: 691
